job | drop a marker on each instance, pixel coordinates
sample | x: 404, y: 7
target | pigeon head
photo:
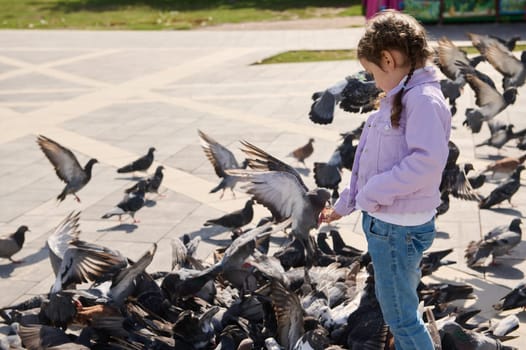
x: 151, y: 150
x: 318, y: 198
x: 510, y: 95
x: 515, y: 225
x: 311, y: 140
x: 159, y: 169
x: 22, y: 229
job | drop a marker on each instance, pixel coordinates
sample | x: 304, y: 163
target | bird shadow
x: 442, y: 235
x: 129, y: 178
x: 33, y: 258
x: 207, y: 234
x: 128, y: 228
x: 501, y: 270
x: 150, y: 203
x: 508, y: 211
x: 491, y: 157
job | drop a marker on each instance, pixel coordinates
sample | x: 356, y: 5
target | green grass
x: 161, y: 14
x: 337, y: 55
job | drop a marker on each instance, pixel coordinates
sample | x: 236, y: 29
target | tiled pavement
x: 111, y: 95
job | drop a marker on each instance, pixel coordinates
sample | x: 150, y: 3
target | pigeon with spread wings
x: 490, y: 101
x: 513, y: 69
x: 286, y: 197
x: 222, y: 159
x: 66, y: 166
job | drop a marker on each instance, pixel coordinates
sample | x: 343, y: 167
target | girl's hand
x: 328, y: 215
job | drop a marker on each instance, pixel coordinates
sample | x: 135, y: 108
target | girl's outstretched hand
x: 328, y: 215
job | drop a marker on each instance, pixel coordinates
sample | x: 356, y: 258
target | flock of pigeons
x: 309, y: 293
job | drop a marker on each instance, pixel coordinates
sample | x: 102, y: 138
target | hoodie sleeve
x: 427, y: 131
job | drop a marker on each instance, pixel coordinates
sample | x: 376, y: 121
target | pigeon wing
x: 448, y: 54
x: 484, y: 93
x: 289, y: 315
x: 278, y: 191
x: 503, y: 61
x: 59, y: 241
x: 64, y: 161
x: 261, y: 160
x: 220, y: 157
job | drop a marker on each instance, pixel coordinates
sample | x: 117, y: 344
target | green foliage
x: 161, y: 14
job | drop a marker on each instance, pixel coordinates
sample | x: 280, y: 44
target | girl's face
x: 390, y: 72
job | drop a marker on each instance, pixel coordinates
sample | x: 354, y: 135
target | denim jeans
x: 396, y: 252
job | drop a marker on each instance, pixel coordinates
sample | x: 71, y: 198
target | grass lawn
x: 336, y: 55
x: 161, y: 14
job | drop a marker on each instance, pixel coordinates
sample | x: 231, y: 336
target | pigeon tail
x: 221, y: 186
x: 125, y: 169
x: 62, y: 195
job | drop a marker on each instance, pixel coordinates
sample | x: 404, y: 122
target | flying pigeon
x: 130, y: 204
x: 488, y: 99
x: 140, y: 164
x: 10, y: 245
x: 222, y: 159
x: 355, y: 94
x: 497, y: 242
x: 482, y: 42
x: 59, y: 241
x: 66, y: 166
x: 236, y: 219
x: 303, y: 152
x: 513, y: 69
x: 504, y: 191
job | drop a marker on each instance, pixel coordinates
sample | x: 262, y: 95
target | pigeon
x: 454, y: 336
x: 455, y: 182
x: 236, y: 219
x: 355, y: 94
x: 130, y: 204
x: 514, y: 299
x: 431, y: 261
x: 221, y: 159
x: 505, y: 166
x: 38, y: 336
x: 447, y: 56
x: 140, y: 164
x: 66, y: 166
x: 328, y: 175
x: 497, y: 242
x: 12, y: 244
x: 153, y: 182
x: 303, y: 152
x: 500, y: 135
x: 503, y: 60
x: 482, y: 42
x: 289, y: 314
x: 504, y: 191
x: 490, y: 101
x: 341, y: 248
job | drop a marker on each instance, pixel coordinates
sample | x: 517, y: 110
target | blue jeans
x: 396, y: 252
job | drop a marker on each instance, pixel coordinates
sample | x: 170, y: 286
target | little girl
x: 397, y: 168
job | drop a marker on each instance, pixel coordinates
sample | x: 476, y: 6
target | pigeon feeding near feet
x: 222, y: 159
x: 12, y: 244
x: 131, y: 203
x: 66, y: 166
x: 140, y: 164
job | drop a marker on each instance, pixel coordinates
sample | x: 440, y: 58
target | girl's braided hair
x: 392, y: 30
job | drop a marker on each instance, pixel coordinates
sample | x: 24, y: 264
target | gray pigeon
x: 222, y: 159
x: 500, y: 135
x: 482, y: 42
x: 66, y: 166
x: 497, y: 242
x: 504, y: 191
x: 153, y: 182
x: 10, y: 245
x: 130, y: 204
x: 140, y: 164
x: 454, y: 336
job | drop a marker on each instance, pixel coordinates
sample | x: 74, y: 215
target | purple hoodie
x: 398, y: 170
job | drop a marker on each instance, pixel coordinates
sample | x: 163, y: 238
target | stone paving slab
x: 111, y: 95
